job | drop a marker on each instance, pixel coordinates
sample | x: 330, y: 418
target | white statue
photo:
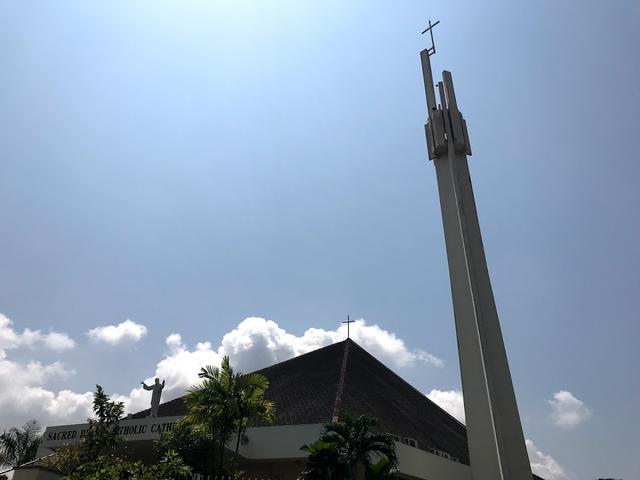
x: 155, y: 396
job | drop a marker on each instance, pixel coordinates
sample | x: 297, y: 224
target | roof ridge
x: 299, y: 356
x: 422, y: 394
x: 306, y: 389
x: 340, y: 389
x: 340, y: 392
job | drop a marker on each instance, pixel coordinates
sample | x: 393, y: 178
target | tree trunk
x: 223, y: 437
x: 213, y: 453
x: 235, y: 454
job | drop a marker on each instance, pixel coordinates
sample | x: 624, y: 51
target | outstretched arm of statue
x: 144, y: 385
x: 162, y: 383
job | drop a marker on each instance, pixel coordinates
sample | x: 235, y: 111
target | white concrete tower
x: 496, y: 443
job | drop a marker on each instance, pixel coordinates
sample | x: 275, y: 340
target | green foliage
x: 98, y: 454
x: 209, y: 407
x: 103, y: 430
x: 325, y: 461
x: 97, y: 450
x: 169, y: 467
x: 346, y: 449
x: 381, y: 470
x: 111, y: 467
x: 224, y: 404
x: 19, y: 445
x: 191, y: 442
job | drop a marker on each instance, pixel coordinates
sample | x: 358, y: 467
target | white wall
x: 279, y: 441
x: 420, y: 464
x: 283, y: 442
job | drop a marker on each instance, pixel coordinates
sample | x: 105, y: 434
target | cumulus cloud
x: 57, y: 341
x: 125, y: 333
x: 10, y: 339
x: 255, y: 343
x: 450, y: 401
x: 544, y: 465
x: 568, y: 411
x: 541, y: 464
x: 174, y: 342
x: 179, y: 369
x: 23, y: 395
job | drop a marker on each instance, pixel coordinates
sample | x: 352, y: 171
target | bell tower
x: 496, y: 443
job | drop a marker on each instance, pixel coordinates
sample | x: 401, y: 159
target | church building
x: 316, y: 388
x: 309, y: 391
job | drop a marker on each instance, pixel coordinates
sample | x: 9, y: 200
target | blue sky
x: 187, y: 165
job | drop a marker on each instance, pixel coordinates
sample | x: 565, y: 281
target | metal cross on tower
x: 432, y: 49
x: 348, y: 322
x: 496, y: 443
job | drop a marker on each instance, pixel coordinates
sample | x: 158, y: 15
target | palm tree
x: 382, y: 470
x: 325, y: 461
x: 225, y: 403
x: 19, y: 445
x: 208, y: 405
x: 249, y: 404
x: 357, y: 441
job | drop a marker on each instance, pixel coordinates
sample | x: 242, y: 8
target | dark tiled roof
x: 371, y: 388
x: 304, y: 391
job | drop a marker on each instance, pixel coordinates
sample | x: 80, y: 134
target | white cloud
x: 125, y: 333
x: 58, y: 341
x: 449, y: 400
x: 174, y: 342
x: 568, y: 411
x: 23, y: 395
x: 541, y: 464
x: 10, y: 339
x: 544, y: 465
x: 179, y: 369
x: 255, y: 343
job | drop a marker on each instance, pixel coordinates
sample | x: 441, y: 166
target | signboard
x: 132, y: 429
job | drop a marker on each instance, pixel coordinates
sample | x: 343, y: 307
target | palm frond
x: 19, y: 445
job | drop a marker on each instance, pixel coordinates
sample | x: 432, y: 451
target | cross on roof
x: 348, y: 322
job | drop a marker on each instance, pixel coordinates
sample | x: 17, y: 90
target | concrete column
x: 496, y: 443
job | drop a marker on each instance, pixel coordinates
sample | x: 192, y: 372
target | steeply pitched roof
x: 305, y: 390
x: 372, y: 389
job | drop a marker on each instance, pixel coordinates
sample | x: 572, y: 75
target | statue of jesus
x: 155, y: 396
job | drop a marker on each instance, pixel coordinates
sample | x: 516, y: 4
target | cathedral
x: 309, y: 391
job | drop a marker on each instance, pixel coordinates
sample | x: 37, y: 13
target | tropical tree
x: 99, y: 455
x: 209, y: 406
x: 383, y: 469
x: 19, y: 445
x: 249, y: 405
x: 225, y: 403
x: 325, y: 462
x: 192, y: 443
x: 347, y: 449
x: 114, y: 467
x: 98, y: 448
